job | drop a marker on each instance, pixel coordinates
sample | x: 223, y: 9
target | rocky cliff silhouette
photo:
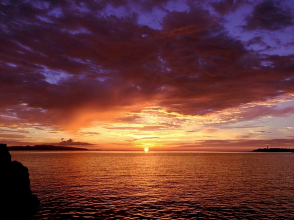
x: 16, y: 198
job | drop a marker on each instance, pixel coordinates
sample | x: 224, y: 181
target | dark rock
x: 16, y: 198
x: 5, y: 157
x: 273, y: 150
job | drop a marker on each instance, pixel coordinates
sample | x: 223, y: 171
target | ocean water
x: 161, y: 185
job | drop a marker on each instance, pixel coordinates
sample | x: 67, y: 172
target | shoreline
x: 46, y: 148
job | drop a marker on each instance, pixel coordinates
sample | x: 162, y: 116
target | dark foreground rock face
x: 16, y: 198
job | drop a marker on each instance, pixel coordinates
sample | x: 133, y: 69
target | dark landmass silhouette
x: 16, y: 198
x: 71, y: 142
x: 47, y: 148
x: 273, y: 150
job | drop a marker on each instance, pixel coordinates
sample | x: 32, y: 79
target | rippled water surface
x: 108, y: 185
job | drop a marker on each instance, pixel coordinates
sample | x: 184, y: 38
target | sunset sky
x: 164, y: 74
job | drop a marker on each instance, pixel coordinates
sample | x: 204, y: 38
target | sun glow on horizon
x: 146, y: 149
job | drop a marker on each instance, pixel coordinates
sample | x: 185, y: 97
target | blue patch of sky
x: 78, y: 31
x: 4, y: 2
x: 152, y: 18
x: 164, y: 66
x: 101, y: 72
x: 40, y: 109
x: 177, y: 5
x: 270, y: 123
x: 279, y: 125
x: 56, y: 12
x: 24, y: 47
x: 234, y: 23
x: 10, y: 114
x: 258, y: 124
x: 286, y: 104
x: 98, y: 78
x: 289, y: 78
x: 41, y: 5
x: 4, y: 28
x: 101, y: 79
x: 54, y: 76
x: 266, y: 63
x: 278, y: 41
x: 119, y: 12
x: 81, y: 7
x: 193, y: 77
x: 27, y: 108
x: 11, y: 64
x: 44, y: 19
x: 137, y: 87
x: 78, y: 60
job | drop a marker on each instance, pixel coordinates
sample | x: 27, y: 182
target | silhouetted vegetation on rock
x: 71, y: 142
x: 16, y: 198
x: 274, y: 150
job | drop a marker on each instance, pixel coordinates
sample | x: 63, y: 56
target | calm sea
x: 166, y: 185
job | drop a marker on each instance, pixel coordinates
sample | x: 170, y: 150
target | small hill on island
x: 71, y: 142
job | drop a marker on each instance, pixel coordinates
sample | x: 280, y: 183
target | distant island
x: 46, y: 148
x: 273, y: 150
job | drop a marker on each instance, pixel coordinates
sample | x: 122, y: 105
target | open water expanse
x: 161, y: 185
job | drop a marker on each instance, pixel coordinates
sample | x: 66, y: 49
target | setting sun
x: 146, y: 149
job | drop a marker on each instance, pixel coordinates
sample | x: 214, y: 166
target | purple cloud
x: 269, y: 15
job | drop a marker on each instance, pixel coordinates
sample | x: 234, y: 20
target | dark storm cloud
x: 269, y: 15
x: 60, y: 58
x: 226, y: 6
